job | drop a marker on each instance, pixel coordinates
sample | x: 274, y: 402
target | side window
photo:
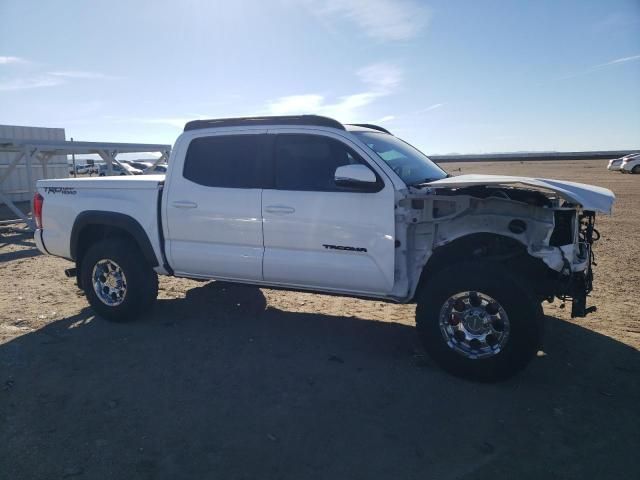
x: 234, y: 161
x: 309, y: 162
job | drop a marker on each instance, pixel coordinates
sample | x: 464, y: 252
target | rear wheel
x: 119, y: 284
x: 478, y: 321
x: 636, y: 169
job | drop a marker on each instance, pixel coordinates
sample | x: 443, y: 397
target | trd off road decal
x: 341, y: 247
x: 62, y: 190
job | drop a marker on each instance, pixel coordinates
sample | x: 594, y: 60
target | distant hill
x: 523, y: 156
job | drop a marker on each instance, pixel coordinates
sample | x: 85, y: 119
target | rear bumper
x: 37, y: 237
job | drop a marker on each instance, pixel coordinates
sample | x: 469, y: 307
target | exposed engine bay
x: 545, y: 236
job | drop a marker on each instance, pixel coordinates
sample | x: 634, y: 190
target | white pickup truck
x: 306, y: 203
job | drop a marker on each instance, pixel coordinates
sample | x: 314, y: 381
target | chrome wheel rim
x: 109, y: 282
x: 474, y: 325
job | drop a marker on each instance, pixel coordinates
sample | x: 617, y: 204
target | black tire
x: 636, y: 169
x: 141, y: 279
x: 523, y: 310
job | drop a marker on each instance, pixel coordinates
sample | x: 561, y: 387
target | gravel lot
x: 234, y: 382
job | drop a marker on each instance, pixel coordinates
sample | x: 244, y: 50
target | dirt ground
x: 234, y: 382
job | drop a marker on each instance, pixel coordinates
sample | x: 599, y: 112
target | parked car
x: 160, y: 169
x: 140, y: 165
x: 307, y: 203
x: 615, y: 164
x: 631, y: 163
x: 80, y: 169
x: 118, y: 170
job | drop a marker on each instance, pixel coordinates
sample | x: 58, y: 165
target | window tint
x: 309, y: 162
x: 411, y: 165
x: 235, y: 161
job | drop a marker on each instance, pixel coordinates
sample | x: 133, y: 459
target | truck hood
x: 589, y: 197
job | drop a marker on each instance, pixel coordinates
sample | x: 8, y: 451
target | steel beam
x: 23, y: 216
x: 12, y: 165
x: 43, y: 150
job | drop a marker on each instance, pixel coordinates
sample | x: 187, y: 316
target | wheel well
x: 490, y: 247
x: 91, y: 234
x: 92, y: 226
x: 95, y: 224
x: 94, y: 233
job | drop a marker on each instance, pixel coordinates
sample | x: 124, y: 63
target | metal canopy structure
x: 42, y: 150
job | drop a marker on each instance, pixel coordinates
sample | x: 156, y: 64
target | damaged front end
x: 569, y: 256
x: 536, y: 227
x: 576, y: 286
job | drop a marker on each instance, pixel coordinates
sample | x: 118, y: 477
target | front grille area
x: 564, y: 227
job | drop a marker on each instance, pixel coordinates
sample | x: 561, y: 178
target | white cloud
x: 77, y: 74
x: 178, y: 122
x: 296, y: 104
x: 28, y: 83
x: 48, y: 79
x: 380, y: 19
x: 620, y: 60
x: 382, y: 79
x: 5, y: 60
x: 386, y: 118
x: 599, y: 67
x: 381, y: 76
x: 432, y: 107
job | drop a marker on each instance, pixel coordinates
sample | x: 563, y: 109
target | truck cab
x: 304, y: 206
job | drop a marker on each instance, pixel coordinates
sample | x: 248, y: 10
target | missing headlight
x: 564, y: 221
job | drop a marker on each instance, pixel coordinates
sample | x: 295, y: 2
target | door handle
x: 279, y: 209
x: 184, y: 204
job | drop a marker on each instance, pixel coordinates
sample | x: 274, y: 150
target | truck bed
x: 66, y: 199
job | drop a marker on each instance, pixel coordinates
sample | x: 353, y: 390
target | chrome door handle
x: 184, y: 204
x: 279, y: 209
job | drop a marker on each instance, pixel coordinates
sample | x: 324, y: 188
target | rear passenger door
x: 319, y: 235
x: 213, y: 206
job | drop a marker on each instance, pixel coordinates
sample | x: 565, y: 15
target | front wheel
x: 636, y: 169
x: 479, y: 321
x: 118, y: 282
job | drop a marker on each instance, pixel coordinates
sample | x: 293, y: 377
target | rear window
x: 235, y: 161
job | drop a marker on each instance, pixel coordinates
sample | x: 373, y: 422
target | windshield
x: 411, y: 165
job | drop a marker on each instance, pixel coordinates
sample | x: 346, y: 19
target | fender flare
x: 116, y: 220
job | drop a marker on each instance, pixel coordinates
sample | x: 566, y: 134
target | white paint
x: 590, y: 197
x: 629, y: 162
x: 288, y: 238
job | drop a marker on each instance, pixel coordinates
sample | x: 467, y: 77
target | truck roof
x: 316, y: 120
x: 313, y: 120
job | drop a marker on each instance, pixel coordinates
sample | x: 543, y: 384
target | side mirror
x: 355, y: 176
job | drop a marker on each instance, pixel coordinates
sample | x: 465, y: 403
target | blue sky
x: 448, y: 76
